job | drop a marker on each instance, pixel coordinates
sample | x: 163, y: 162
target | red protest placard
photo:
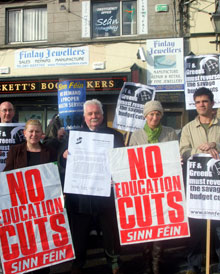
x: 34, y: 230
x: 149, y: 193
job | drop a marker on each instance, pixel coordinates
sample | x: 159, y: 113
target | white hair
x: 93, y: 102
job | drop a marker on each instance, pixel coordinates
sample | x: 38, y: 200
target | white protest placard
x: 202, y: 71
x: 203, y: 187
x: 9, y: 134
x: 34, y: 230
x: 129, y: 110
x: 87, y: 169
x: 149, y: 193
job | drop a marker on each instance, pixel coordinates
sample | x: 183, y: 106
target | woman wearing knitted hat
x: 153, y: 132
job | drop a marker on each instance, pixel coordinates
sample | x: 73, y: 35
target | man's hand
x: 65, y: 154
x: 210, y: 148
x: 214, y: 153
x: 207, y: 146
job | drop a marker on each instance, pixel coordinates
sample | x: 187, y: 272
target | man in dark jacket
x: 83, y: 209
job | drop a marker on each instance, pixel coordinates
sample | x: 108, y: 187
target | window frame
x: 21, y: 29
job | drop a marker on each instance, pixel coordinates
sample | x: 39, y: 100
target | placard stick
x: 208, y: 228
x: 127, y: 138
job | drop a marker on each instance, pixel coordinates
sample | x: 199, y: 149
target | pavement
x: 132, y: 262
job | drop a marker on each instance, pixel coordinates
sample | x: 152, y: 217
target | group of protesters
x: 202, y: 135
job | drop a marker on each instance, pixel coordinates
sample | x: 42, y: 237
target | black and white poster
x: 203, y: 187
x: 10, y: 134
x: 202, y: 71
x: 129, y: 111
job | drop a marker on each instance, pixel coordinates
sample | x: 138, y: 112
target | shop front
x: 36, y: 98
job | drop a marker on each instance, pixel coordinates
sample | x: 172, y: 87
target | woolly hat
x: 152, y: 106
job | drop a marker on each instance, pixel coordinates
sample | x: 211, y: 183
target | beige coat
x: 193, y: 135
x: 139, y: 137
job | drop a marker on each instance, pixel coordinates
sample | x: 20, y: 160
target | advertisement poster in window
x: 202, y: 71
x: 165, y: 64
x: 71, y: 97
x: 106, y: 19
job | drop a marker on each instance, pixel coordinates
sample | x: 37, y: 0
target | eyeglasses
x: 7, y: 110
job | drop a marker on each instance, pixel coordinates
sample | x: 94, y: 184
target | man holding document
x: 84, y: 202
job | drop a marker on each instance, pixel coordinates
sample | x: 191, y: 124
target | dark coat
x: 17, y: 156
x: 87, y: 204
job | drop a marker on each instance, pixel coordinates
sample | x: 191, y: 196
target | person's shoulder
x: 217, y: 121
x: 110, y: 129
x: 191, y: 124
x: 48, y: 149
x: 82, y: 129
x: 138, y: 132
x: 45, y: 146
x: 113, y: 131
x: 169, y: 129
x: 18, y: 146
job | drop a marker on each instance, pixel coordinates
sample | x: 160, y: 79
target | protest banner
x: 10, y: 133
x: 165, y: 64
x: 71, y: 97
x: 129, y: 110
x: 203, y: 187
x: 87, y: 169
x: 149, y: 193
x: 202, y: 71
x: 203, y: 193
x: 34, y: 230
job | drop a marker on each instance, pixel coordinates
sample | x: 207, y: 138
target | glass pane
x: 172, y: 119
x: 35, y: 24
x: 106, y: 19
x: 14, y: 26
x: 129, y: 17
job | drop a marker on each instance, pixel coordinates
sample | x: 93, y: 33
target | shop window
x: 173, y: 119
x: 114, y: 18
x: 27, y: 25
